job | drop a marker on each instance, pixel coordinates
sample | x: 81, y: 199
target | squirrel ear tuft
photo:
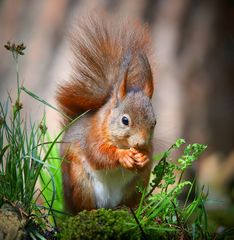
x: 122, y: 89
x: 147, y: 76
x: 123, y: 76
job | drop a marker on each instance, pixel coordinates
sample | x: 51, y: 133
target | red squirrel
x: 107, y: 151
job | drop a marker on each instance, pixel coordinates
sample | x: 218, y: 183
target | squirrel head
x: 132, y: 120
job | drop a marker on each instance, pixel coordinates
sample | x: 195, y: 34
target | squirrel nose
x: 139, y: 140
x: 139, y: 145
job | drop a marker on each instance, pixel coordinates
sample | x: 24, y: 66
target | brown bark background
x: 194, y: 53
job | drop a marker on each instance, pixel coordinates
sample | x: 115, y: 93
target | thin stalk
x: 189, y: 192
x: 139, y: 225
x: 181, y: 176
x: 17, y: 78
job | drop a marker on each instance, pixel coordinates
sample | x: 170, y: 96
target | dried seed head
x: 18, y: 49
x: 43, y: 128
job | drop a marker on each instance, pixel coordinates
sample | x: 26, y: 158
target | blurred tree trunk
x: 206, y: 50
x: 205, y: 54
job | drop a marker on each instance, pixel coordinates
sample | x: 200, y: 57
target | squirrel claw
x: 133, y: 150
x: 141, y: 164
x: 138, y: 156
x: 141, y: 159
x: 126, y: 159
x: 128, y: 163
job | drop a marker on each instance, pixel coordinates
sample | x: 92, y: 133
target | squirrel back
x: 100, y: 48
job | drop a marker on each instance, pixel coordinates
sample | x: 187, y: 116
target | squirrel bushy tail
x: 99, y: 47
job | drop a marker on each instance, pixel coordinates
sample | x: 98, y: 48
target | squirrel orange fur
x: 107, y: 151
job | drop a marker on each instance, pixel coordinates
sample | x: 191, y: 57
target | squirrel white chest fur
x: 109, y: 185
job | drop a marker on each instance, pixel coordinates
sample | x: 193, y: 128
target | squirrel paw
x: 132, y: 159
x: 141, y: 159
x: 126, y: 159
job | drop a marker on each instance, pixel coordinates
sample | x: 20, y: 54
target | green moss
x: 99, y: 224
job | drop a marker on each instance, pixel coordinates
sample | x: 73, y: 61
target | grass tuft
x: 25, y: 157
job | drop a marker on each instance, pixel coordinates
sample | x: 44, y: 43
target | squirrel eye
x: 154, y: 124
x: 125, y: 120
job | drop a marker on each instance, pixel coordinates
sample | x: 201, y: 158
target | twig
x: 183, y: 234
x: 139, y: 225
